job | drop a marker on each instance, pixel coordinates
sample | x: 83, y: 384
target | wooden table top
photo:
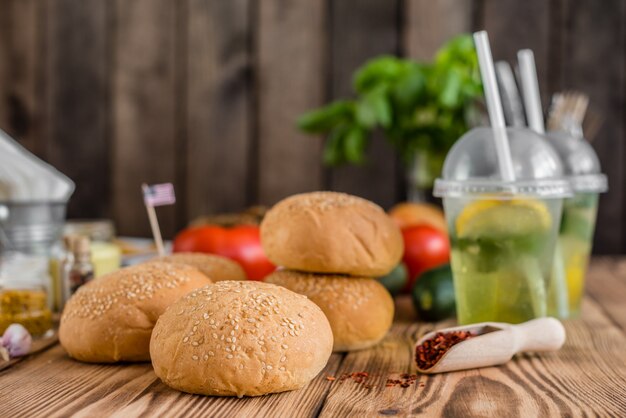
x: 587, y: 377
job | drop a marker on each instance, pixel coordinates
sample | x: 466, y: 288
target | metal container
x: 30, y: 227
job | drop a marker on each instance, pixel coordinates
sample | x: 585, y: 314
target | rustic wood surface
x: 205, y: 93
x: 586, y: 378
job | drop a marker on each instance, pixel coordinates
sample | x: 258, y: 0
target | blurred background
x: 206, y: 93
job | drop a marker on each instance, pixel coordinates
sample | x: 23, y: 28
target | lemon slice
x: 503, y: 218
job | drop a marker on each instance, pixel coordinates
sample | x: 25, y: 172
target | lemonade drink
x: 583, y: 171
x: 503, y: 233
x: 575, y: 239
x: 502, y: 252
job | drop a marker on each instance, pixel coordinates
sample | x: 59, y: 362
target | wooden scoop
x: 496, y: 343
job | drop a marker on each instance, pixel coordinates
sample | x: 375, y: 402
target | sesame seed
x: 229, y: 356
x: 194, y: 357
x: 185, y: 339
x: 195, y: 343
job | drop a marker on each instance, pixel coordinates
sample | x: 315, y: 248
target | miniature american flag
x: 159, y: 194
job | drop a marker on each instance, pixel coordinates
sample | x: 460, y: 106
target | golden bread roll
x: 328, y: 232
x: 215, y: 267
x: 360, y: 310
x: 110, y: 319
x: 238, y: 338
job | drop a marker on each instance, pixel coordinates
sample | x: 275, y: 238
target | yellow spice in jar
x: 28, y: 307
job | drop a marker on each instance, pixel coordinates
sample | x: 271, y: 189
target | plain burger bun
x: 110, y: 319
x: 360, y: 310
x: 328, y: 232
x: 215, y: 267
x: 240, y: 339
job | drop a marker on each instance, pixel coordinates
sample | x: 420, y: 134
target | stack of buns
x: 209, y: 331
x: 331, y: 246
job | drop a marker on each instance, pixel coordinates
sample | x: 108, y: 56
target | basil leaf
x: 354, y: 145
x: 323, y: 119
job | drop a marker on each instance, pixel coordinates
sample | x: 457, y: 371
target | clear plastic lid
x: 471, y: 167
x: 580, y: 163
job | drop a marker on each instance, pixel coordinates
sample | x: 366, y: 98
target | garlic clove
x: 16, y: 340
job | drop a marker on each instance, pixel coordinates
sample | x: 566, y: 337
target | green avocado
x: 433, y: 294
x: 395, y: 281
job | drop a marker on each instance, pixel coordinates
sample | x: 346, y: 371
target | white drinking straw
x: 494, y: 106
x: 530, y: 90
x: 534, y: 114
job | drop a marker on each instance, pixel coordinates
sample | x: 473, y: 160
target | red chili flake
x: 405, y: 380
x: 357, y: 377
x: 430, y: 351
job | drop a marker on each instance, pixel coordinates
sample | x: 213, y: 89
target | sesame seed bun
x: 240, y: 339
x: 328, y: 232
x: 360, y: 310
x: 110, y: 319
x: 215, y: 267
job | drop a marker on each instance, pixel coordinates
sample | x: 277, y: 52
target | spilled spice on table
x: 403, y: 380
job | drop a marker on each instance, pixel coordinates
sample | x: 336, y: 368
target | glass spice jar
x: 25, y: 306
x: 24, y: 292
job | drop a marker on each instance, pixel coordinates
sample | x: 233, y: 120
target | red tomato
x: 241, y: 243
x: 425, y: 247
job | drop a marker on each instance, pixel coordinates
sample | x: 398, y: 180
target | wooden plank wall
x: 205, y: 93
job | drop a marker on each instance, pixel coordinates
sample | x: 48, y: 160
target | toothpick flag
x: 157, y: 195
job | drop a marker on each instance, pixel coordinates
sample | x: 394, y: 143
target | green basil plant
x: 420, y: 107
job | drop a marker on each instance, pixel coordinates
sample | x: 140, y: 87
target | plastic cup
x: 502, y: 233
x: 582, y: 168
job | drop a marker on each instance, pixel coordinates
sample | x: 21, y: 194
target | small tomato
x: 425, y: 247
x: 241, y: 244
